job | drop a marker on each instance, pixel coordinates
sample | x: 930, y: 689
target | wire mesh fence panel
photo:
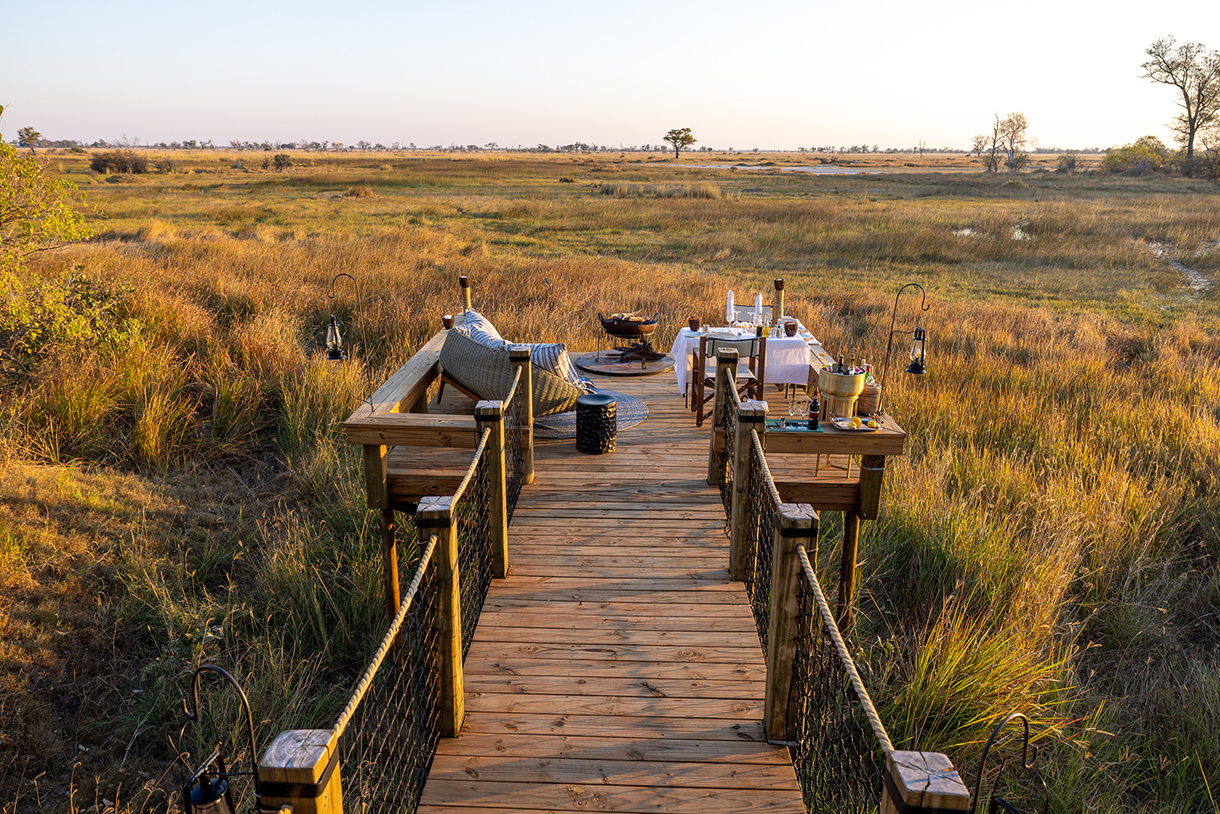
x: 839, y: 751
x: 516, y: 438
x: 723, y: 469
x: 387, y: 745
x: 760, y: 517
x: 472, y: 513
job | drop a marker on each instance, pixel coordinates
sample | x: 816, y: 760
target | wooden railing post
x: 376, y: 482
x: 464, y: 282
x: 924, y: 780
x: 798, y: 525
x: 519, y: 356
x: 300, y: 769
x: 726, y: 376
x: 751, y: 415
x: 435, y: 515
x: 489, y: 415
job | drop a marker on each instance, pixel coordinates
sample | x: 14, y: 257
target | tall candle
x: 758, y: 317
x: 728, y: 314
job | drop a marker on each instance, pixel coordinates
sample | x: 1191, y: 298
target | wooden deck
x: 617, y: 668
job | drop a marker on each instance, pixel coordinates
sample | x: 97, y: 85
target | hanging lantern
x: 919, y: 358
x: 208, y: 790
x: 334, y: 342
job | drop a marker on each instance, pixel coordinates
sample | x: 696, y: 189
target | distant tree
x: 1147, y: 154
x: 1012, y: 135
x: 978, y: 144
x: 679, y: 138
x: 362, y: 145
x: 1195, y: 73
x: 28, y: 137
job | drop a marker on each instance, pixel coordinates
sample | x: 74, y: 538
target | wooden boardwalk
x: 617, y: 668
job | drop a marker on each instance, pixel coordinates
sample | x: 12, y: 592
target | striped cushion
x: 480, y: 329
x: 553, y: 358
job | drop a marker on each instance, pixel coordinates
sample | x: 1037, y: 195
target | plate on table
x: 845, y: 425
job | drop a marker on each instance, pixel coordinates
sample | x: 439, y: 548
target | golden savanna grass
x: 1049, y: 544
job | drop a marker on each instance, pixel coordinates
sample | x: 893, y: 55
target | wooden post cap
x: 924, y: 780
x: 519, y: 353
x: 464, y: 281
x: 726, y: 355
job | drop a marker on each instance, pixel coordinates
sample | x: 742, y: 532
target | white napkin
x: 729, y: 311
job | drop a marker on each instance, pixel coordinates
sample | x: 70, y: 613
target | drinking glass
x: 794, y: 406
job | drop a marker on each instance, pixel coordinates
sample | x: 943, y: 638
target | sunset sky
x: 770, y: 75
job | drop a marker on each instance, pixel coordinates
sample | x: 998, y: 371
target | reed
x: 1049, y: 543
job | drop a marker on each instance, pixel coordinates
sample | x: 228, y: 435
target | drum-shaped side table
x: 596, y: 423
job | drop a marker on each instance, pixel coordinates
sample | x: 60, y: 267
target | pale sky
x: 775, y: 74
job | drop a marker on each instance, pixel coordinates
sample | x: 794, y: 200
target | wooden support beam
x: 389, y: 562
x: 798, y: 525
x: 923, y: 781
x: 831, y: 441
x: 519, y: 357
x: 872, y: 475
x: 726, y: 376
x: 751, y: 415
x: 435, y: 516
x: 824, y: 494
x: 847, y: 570
x: 413, y: 430
x: 489, y: 415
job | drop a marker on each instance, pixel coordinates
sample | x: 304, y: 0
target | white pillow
x: 551, y: 357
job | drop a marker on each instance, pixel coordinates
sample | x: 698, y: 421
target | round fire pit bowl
x: 628, y: 328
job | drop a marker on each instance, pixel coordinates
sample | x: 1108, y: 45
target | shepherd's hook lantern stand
x: 208, y: 791
x: 334, y: 338
x: 1028, y: 756
x: 918, y: 365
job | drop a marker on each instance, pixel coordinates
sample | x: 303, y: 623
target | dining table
x: 790, y: 359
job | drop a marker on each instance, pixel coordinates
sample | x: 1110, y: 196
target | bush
x: 1148, y: 154
x: 282, y: 161
x: 1068, y: 163
x: 123, y: 161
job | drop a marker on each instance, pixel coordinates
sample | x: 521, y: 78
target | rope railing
x: 840, y: 746
x: 387, y: 734
x: 815, y: 699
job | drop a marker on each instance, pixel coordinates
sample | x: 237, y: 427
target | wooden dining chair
x: 751, y: 371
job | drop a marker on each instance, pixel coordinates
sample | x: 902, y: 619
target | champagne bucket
x: 838, y: 393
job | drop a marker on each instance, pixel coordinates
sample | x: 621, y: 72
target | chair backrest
x: 746, y: 313
x: 751, y: 353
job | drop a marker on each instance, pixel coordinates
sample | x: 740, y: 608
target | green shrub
x: 282, y: 161
x: 1148, y: 154
x: 124, y: 161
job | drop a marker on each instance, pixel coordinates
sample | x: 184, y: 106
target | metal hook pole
x: 245, y: 702
x: 889, y: 346
x: 1026, y: 761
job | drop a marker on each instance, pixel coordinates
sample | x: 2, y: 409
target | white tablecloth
x: 788, y: 359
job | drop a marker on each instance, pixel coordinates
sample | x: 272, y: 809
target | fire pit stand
x: 625, y: 328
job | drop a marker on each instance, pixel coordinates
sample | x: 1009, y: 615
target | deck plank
x: 616, y: 668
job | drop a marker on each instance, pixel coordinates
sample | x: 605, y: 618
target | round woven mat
x: 629, y: 411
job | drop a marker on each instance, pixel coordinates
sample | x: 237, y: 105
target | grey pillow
x: 551, y: 357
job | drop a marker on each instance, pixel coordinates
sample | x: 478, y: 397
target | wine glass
x: 794, y: 405
x: 802, y: 409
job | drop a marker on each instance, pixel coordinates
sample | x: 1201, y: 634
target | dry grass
x: 1050, y: 543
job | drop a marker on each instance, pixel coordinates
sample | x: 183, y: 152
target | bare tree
x: 1011, y: 130
x: 1195, y: 72
x: 978, y: 144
